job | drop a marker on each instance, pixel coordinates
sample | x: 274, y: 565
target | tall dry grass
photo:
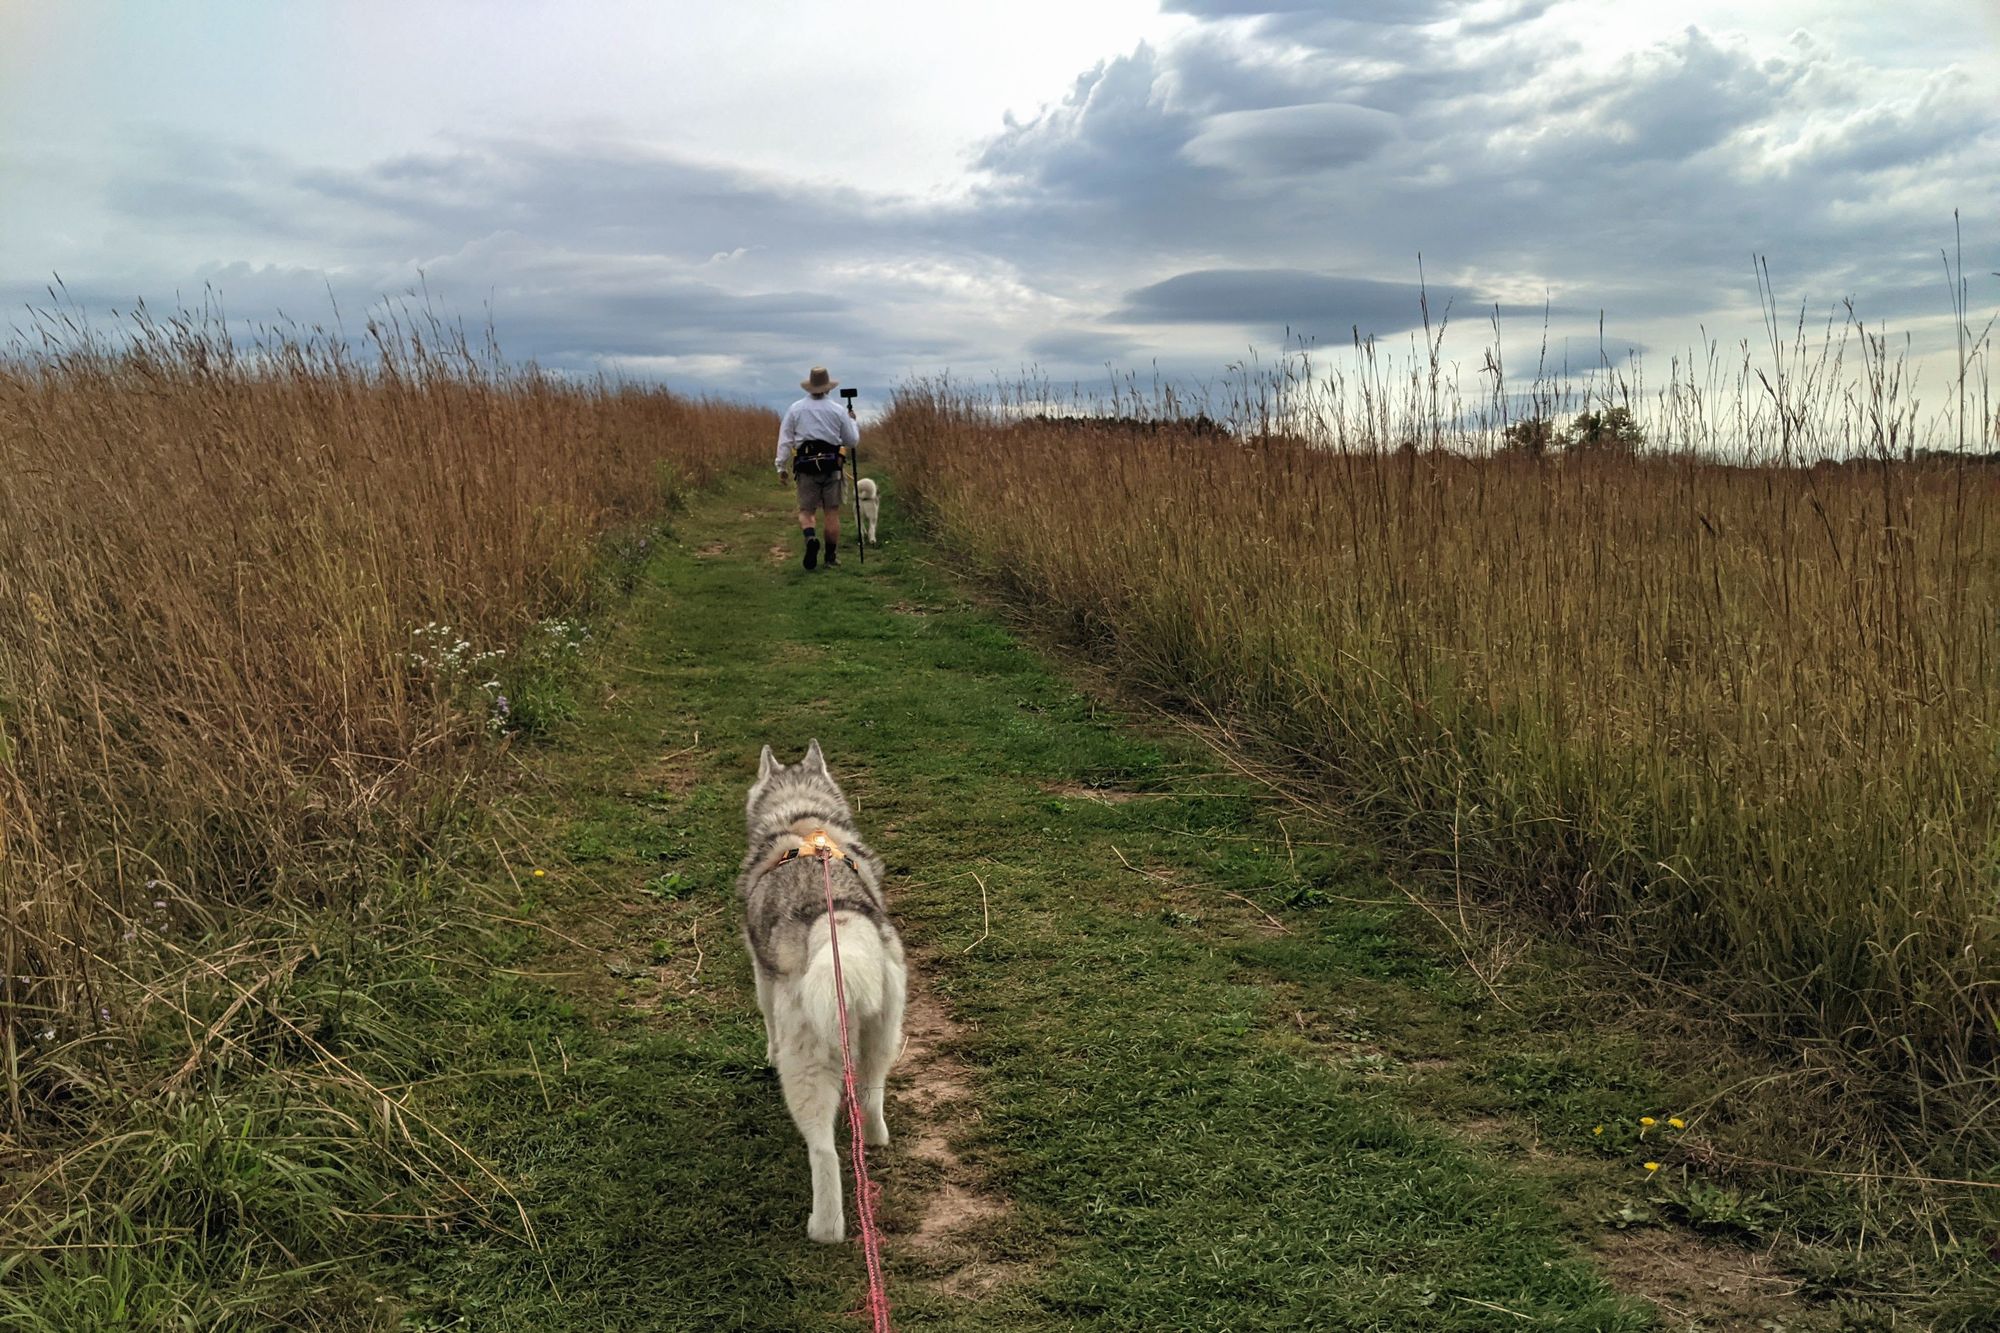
x: 217, y: 697
x: 1741, y: 718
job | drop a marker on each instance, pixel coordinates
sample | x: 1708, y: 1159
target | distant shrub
x: 1612, y: 429
x: 1532, y: 437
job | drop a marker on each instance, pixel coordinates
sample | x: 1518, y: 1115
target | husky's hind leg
x: 812, y: 1093
x: 881, y: 1043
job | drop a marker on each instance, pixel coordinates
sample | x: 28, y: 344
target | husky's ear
x: 767, y: 763
x: 814, y: 759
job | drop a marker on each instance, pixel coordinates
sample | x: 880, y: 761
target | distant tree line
x: 1199, y: 425
x: 1989, y: 459
x: 1610, y: 431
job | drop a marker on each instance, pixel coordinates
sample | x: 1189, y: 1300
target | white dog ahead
x: 870, y: 506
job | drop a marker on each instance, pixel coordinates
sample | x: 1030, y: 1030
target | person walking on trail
x: 815, y: 436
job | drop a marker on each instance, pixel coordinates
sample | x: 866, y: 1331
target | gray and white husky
x: 870, y: 505
x: 791, y: 812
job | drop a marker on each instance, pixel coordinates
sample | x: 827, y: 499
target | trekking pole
x: 854, y: 459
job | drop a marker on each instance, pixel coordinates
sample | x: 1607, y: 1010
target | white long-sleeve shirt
x: 814, y: 419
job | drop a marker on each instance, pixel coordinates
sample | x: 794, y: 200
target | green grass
x: 1197, y: 1119
x: 253, y: 1192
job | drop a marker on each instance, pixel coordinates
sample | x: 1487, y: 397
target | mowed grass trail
x: 1176, y: 1064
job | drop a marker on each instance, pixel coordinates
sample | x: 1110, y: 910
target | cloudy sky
x: 721, y: 195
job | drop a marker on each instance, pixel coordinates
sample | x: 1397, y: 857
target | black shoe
x: 812, y: 553
x: 831, y: 559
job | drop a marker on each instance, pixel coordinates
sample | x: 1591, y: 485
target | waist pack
x: 817, y: 458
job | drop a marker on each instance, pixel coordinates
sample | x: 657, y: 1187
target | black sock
x: 831, y: 542
x: 808, y: 533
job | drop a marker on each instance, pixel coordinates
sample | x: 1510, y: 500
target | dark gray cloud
x: 1112, y: 139
x: 1317, y: 306
x: 1278, y: 298
x: 1284, y: 141
x: 1331, y: 21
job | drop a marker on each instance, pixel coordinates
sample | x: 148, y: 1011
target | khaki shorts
x: 819, y: 493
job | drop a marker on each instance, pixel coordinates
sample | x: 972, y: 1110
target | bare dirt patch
x: 933, y: 1098
x: 710, y: 550
x: 780, y: 552
x: 907, y: 608
x: 1712, y: 1288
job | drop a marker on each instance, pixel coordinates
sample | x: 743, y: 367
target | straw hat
x: 819, y: 381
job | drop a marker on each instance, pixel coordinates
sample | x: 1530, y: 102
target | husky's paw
x: 827, y: 1233
x: 875, y: 1133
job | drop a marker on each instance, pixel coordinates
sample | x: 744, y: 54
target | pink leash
x: 864, y: 1189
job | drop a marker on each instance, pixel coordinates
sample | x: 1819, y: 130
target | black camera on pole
x: 854, y: 465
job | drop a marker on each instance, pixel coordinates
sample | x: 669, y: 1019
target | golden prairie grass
x: 257, y: 602
x: 1743, y: 720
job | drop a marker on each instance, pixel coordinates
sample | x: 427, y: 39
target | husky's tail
x: 864, y: 975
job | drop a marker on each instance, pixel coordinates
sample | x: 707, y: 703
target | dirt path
x: 946, y: 1212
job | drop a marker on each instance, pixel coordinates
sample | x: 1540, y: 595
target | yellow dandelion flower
x: 1677, y: 1122
x: 1598, y: 1130
x: 540, y: 873
x: 1652, y: 1167
x: 1648, y: 1121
